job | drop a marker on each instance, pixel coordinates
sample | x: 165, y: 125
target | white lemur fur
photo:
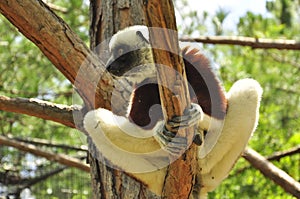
x: 140, y: 151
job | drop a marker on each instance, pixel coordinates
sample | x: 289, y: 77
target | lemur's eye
x: 120, y: 51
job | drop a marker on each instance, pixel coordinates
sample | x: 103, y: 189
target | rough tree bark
x: 41, y: 109
x: 174, y: 93
x: 107, y: 18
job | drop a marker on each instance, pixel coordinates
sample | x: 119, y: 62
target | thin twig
x: 43, y: 142
x: 263, y: 43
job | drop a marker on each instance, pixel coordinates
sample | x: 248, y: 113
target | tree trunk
x: 107, y: 17
x: 180, y: 176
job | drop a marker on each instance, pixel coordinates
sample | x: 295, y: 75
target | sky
x: 237, y: 8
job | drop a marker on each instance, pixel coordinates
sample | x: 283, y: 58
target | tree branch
x: 10, y: 178
x: 271, y: 171
x: 42, y: 142
x: 62, y: 47
x: 46, y: 110
x: 36, y: 180
x: 280, y: 44
x: 174, y: 93
x: 275, y: 157
x: 280, y: 154
x: 60, y: 158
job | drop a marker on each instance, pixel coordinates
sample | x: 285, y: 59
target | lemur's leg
x: 240, y: 122
x: 168, y: 138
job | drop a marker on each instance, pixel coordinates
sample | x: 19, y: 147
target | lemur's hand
x: 174, y: 143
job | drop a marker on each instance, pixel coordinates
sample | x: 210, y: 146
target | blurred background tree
x: 25, y: 72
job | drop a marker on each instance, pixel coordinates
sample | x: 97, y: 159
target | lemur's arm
x: 128, y: 147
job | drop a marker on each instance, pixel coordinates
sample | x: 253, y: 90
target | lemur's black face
x: 123, y: 60
x: 129, y: 53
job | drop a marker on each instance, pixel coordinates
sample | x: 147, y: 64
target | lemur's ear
x: 140, y: 34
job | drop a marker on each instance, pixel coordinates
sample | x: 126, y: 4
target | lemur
x: 140, y: 142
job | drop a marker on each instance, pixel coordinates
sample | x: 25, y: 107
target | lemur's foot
x: 174, y: 143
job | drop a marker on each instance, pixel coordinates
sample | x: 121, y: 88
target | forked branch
x: 274, y: 173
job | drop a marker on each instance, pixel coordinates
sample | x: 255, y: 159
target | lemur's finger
x: 191, y: 117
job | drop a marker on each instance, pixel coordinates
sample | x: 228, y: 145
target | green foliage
x: 26, y: 72
x: 191, y: 21
x: 219, y: 19
x: 278, y: 128
x: 68, y: 184
x: 278, y: 73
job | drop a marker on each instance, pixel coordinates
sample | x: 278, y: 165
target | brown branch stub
x: 63, y: 159
x: 274, y: 173
x: 180, y: 177
x: 263, y: 43
x: 59, y: 113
